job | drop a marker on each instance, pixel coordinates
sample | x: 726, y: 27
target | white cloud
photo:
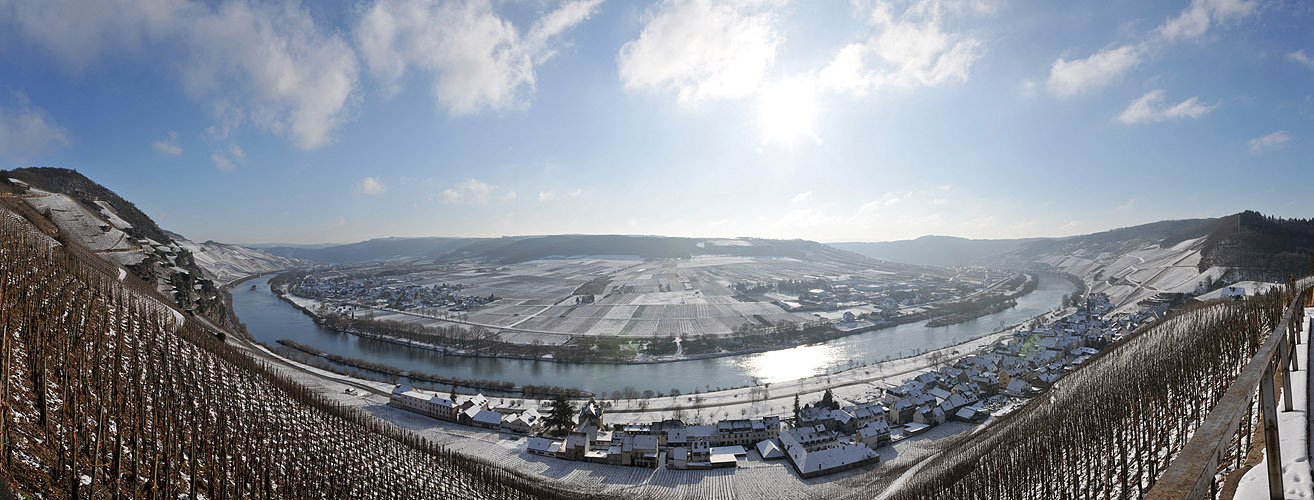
x: 268, y: 65
x: 1201, y: 14
x: 1269, y: 142
x: 1126, y: 206
x: 1149, y: 108
x: 1300, y: 57
x: 474, y: 191
x: 236, y: 151
x: 168, y: 146
x: 25, y: 130
x: 1101, y: 69
x: 546, y: 196
x: 701, y: 49
x: 222, y: 161
x: 478, y: 61
x: 801, y: 197
x: 370, y: 186
x: 273, y: 66
x: 910, y: 51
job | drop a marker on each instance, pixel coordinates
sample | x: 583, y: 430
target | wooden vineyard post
x: 1272, y: 443
x: 1284, y: 353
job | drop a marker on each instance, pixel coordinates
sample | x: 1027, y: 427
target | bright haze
x: 302, y: 122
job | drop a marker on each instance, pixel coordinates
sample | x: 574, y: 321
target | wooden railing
x: 1191, y: 475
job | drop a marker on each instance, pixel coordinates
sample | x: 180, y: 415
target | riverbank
x: 755, y: 401
x: 985, y: 307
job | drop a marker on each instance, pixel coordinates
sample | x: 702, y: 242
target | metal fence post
x: 1272, y: 443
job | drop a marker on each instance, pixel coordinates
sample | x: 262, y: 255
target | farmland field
x: 549, y: 300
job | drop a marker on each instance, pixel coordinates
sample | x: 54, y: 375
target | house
x: 812, y: 416
x: 816, y: 452
x: 476, y: 401
x: 545, y: 447
x: 526, y: 422
x: 866, y: 413
x: 904, y: 410
x: 745, y: 432
x: 481, y: 417
x: 849, y: 317
x: 1017, y: 388
x: 843, y: 421
x: 970, y: 414
x: 929, y: 415
x: 579, y: 442
x: 770, y: 449
x: 875, y: 434
x: 407, y: 398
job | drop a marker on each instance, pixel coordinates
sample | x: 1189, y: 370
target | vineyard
x: 1110, y: 429
x: 108, y: 393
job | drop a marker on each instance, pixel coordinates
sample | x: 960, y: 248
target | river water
x: 269, y: 318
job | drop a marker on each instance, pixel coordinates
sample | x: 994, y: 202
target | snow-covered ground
x: 88, y: 228
x: 1140, y: 274
x: 1297, y: 480
x: 228, y: 263
x: 1251, y: 288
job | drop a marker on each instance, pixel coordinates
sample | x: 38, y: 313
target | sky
x: 251, y: 121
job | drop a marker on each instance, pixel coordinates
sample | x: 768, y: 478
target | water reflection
x: 790, y: 364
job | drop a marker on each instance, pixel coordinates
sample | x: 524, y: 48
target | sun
x: 787, y: 112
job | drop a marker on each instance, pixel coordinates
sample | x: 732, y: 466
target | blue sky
x: 247, y: 121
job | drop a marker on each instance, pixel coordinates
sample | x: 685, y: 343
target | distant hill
x: 375, y: 249
x: 1138, y: 262
x: 935, y: 250
x: 225, y: 263
x: 954, y: 251
x: 512, y: 249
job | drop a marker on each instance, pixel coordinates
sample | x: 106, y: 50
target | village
x: 822, y: 437
x: 392, y: 293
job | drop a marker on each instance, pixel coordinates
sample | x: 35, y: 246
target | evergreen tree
x: 562, y: 416
x: 796, y: 410
x: 828, y: 400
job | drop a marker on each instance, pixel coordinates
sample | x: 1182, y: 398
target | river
x: 269, y: 318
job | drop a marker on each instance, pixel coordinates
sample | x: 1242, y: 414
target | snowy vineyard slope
x: 105, y: 395
x: 1110, y: 429
x: 226, y: 263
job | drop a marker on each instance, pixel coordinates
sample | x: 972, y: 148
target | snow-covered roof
x: 544, y: 445
x: 769, y: 450
x: 873, y: 429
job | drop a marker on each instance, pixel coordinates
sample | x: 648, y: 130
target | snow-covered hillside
x: 226, y: 263
x: 1140, y: 274
x: 103, y: 234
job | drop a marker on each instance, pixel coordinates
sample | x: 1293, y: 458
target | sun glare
x: 787, y: 113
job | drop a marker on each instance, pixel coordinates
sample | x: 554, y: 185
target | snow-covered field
x: 665, y: 298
